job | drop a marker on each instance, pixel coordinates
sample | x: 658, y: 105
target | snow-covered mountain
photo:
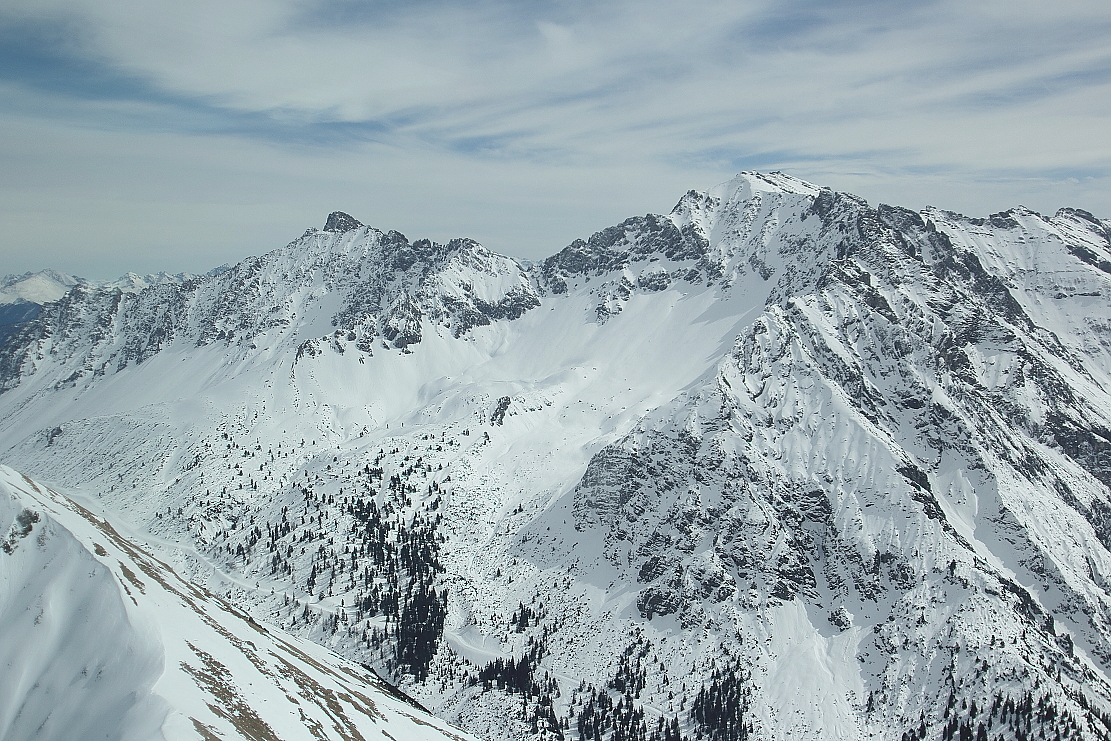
x: 36, y: 288
x: 102, y: 640
x: 778, y: 464
x: 23, y: 296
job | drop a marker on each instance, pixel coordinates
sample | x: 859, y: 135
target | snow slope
x: 102, y: 640
x: 846, y: 467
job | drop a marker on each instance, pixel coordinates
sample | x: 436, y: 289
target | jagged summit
x: 340, y: 222
x: 769, y: 182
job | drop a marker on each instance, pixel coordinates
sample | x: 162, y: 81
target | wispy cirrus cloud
x: 527, y: 124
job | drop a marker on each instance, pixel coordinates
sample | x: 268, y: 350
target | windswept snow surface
x: 846, y: 467
x: 102, y: 640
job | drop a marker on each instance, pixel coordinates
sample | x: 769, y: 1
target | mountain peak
x: 340, y: 222
x: 769, y: 182
x: 37, y: 288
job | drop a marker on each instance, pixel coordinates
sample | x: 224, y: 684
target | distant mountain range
x: 23, y: 296
x: 779, y: 464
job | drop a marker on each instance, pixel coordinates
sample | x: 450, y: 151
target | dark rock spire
x: 340, y: 222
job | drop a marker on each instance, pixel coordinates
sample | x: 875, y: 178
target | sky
x: 145, y: 136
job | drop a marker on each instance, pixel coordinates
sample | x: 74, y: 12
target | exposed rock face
x: 340, y: 222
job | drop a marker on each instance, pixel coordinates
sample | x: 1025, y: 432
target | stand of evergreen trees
x: 719, y: 711
x: 1011, y: 719
x: 601, y: 719
x: 367, y: 543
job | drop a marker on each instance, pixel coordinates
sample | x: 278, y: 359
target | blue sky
x: 153, y: 136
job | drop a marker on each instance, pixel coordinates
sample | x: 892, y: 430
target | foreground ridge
x: 104, y: 640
